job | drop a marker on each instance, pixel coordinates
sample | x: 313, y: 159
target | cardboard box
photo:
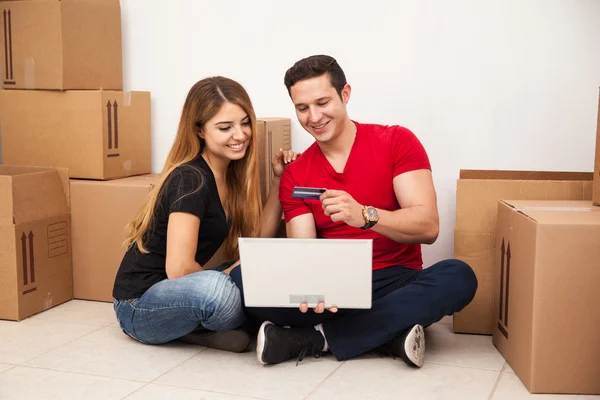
x: 273, y: 134
x: 477, y: 196
x: 68, y: 44
x: 100, y: 211
x: 546, y: 296
x: 96, y: 134
x: 596, y: 193
x: 35, y: 241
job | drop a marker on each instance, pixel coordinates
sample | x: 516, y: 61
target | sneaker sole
x: 414, y: 346
x: 260, y: 342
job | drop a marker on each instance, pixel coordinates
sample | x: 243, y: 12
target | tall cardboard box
x: 546, y: 284
x: 273, y: 134
x: 100, y: 211
x: 35, y: 241
x: 61, y: 44
x: 477, y: 196
x: 97, y: 134
x: 596, y: 194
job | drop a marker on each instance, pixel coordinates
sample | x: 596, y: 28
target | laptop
x: 288, y: 272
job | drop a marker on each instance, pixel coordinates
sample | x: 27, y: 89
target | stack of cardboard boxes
x: 533, y: 240
x: 63, y: 108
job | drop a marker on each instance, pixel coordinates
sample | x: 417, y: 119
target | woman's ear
x: 199, y: 131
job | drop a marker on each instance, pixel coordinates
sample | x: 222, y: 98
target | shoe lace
x: 301, y: 347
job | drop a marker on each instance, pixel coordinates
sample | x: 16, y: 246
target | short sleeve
x: 186, y: 191
x: 408, y: 154
x: 291, y: 207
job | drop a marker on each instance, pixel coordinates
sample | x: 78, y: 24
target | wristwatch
x: 371, y: 217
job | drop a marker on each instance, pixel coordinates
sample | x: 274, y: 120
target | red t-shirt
x: 379, y: 154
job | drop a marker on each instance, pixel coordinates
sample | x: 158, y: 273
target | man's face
x: 319, y: 108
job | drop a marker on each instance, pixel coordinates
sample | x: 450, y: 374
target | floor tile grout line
x: 500, y: 375
x: 71, y: 322
x: 177, y: 365
x: 463, y: 366
x: 207, y: 391
x: 135, y: 391
x: 59, y: 346
x: 314, y: 390
x: 82, y: 373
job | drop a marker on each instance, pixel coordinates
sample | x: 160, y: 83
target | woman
x: 207, y: 197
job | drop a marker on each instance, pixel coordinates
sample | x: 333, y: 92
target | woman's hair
x: 243, y: 205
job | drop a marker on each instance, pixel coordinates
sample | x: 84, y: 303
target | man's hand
x: 319, y: 309
x: 340, y: 206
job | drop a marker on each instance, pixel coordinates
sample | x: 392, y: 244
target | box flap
x: 525, y: 175
x: 37, y: 193
x: 557, y: 212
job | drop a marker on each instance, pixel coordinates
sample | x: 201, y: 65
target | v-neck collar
x: 214, y: 180
x: 330, y: 169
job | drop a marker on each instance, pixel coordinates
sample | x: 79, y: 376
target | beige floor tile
x: 4, y: 367
x: 81, y: 312
x: 160, y: 392
x: 511, y: 388
x: 109, y: 352
x: 21, y: 341
x: 23, y: 383
x: 241, y: 374
x: 443, y: 346
x: 385, y: 378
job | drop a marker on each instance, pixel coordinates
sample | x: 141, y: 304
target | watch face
x: 372, y: 213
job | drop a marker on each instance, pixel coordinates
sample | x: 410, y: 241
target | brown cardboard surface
x: 52, y: 44
x: 596, y: 190
x: 35, y: 241
x: 545, y: 285
x: 273, y: 134
x: 100, y: 212
x: 96, y: 134
x: 476, y: 214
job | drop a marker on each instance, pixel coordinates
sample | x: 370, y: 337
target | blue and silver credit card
x: 307, y: 192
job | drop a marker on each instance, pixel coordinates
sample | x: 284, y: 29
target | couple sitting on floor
x: 379, y: 185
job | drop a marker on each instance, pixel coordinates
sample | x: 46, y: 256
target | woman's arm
x: 271, y: 216
x: 182, y: 243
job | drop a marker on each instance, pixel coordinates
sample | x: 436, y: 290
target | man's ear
x: 346, y: 90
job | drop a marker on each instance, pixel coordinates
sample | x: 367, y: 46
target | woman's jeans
x: 173, y: 308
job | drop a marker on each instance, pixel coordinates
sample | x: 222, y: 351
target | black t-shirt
x: 190, y: 188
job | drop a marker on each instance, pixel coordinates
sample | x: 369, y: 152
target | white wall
x: 503, y: 84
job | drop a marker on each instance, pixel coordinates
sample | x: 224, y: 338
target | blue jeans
x: 402, y: 297
x: 173, y: 308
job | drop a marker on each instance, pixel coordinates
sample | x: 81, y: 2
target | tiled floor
x: 76, y: 351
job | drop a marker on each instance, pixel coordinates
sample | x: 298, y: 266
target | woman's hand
x: 281, y: 159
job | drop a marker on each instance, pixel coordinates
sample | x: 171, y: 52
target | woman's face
x: 227, y: 135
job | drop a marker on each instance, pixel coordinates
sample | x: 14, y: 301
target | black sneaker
x: 409, y: 346
x: 236, y: 340
x: 276, y: 344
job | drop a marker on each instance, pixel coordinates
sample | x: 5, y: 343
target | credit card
x: 307, y: 193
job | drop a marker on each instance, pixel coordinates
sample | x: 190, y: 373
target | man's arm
x: 301, y: 227
x: 417, y: 220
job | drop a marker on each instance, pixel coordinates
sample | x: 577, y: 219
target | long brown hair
x: 243, y: 206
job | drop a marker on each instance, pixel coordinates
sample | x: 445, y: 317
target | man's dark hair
x: 314, y: 66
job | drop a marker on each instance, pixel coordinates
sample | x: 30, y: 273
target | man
x: 379, y: 187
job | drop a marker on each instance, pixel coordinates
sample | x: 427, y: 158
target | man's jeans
x: 171, y: 309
